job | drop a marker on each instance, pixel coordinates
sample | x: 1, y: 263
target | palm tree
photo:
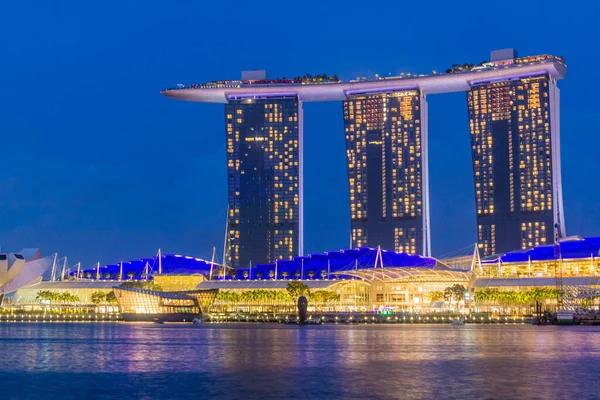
x: 118, y: 276
x: 285, y: 274
x: 64, y: 297
x: 107, y: 275
x: 245, y: 274
x: 259, y: 274
x: 88, y: 275
x: 271, y: 274
x: 323, y: 273
x: 131, y: 274
x: 297, y: 274
x: 311, y: 273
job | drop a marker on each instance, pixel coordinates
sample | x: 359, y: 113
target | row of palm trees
x: 259, y: 296
x: 96, y: 298
x: 57, y: 297
x: 272, y: 297
x: 515, y: 298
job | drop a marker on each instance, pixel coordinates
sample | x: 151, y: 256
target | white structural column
x: 557, y: 197
x: 300, y: 179
x: 425, y: 175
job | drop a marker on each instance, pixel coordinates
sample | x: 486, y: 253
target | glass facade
x: 136, y: 301
x: 387, y: 171
x: 264, y: 174
x: 516, y: 174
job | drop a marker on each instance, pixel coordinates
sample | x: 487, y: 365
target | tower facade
x: 264, y: 174
x: 515, y: 145
x: 386, y: 151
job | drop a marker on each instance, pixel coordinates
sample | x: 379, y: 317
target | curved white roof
x: 26, y: 273
x: 429, y: 84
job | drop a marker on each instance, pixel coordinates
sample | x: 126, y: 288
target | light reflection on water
x: 106, y: 360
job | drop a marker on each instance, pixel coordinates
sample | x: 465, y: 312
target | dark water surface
x: 106, y: 360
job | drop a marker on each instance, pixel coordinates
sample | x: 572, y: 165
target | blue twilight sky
x: 96, y: 165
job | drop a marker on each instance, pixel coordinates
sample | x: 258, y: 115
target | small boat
x: 197, y: 321
x: 458, y: 322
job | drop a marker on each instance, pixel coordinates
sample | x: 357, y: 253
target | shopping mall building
x: 364, y: 279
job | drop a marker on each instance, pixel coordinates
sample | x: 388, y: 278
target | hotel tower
x: 264, y: 175
x: 515, y: 147
x: 386, y: 154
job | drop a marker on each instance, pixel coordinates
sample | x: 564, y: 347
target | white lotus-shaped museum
x: 22, y: 269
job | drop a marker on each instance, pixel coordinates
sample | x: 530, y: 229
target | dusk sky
x: 97, y: 165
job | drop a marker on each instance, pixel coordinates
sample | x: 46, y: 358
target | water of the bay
x: 145, y: 361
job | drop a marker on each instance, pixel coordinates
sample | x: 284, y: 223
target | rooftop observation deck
x: 460, y: 81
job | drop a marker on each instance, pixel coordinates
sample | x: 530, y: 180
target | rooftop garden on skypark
x: 298, y: 80
x: 304, y: 80
x: 459, y: 68
x: 309, y: 79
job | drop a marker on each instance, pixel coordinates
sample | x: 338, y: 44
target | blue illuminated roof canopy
x: 567, y: 249
x: 314, y: 265
x: 171, y: 264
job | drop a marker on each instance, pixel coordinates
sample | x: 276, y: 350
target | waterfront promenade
x: 281, y: 318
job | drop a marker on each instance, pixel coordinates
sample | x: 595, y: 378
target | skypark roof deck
x: 223, y: 91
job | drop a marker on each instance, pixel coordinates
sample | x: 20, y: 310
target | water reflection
x: 276, y: 361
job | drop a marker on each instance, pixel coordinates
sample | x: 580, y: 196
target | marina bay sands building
x: 514, y: 118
